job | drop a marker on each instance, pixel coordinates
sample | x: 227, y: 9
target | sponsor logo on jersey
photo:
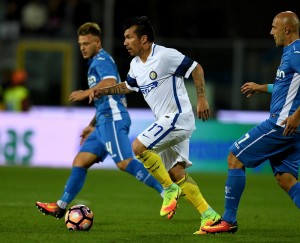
x: 153, y: 75
x: 280, y: 74
x: 92, y: 81
x: 147, y: 88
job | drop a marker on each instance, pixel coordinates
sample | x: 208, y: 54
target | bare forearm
x: 93, y: 122
x: 199, y: 81
x: 115, y: 89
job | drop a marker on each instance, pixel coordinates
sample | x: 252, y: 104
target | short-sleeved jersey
x: 161, y: 81
x: 286, y: 94
x: 111, y: 107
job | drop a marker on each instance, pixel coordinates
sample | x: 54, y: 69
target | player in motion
x: 277, y: 139
x: 108, y: 131
x: 159, y: 72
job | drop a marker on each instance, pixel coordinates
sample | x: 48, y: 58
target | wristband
x: 270, y: 88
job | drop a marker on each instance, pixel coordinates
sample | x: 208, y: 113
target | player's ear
x: 144, y: 39
x: 287, y: 30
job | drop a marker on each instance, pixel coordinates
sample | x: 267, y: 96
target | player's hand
x: 77, y: 95
x: 96, y: 93
x: 203, y: 109
x: 291, y: 124
x: 251, y: 88
x: 85, y: 133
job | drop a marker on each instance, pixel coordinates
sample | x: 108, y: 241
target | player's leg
x: 175, y: 155
x: 254, y: 148
x: 72, y: 187
x: 285, y: 167
x: 115, y: 137
x: 135, y: 168
x: 153, y: 163
x: 154, y: 139
x: 89, y: 153
x: 291, y: 185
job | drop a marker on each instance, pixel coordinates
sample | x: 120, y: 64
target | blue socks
x: 73, y: 186
x: 294, y: 193
x: 234, y: 188
x: 138, y: 170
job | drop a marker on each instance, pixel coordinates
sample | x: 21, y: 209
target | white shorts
x: 171, y: 143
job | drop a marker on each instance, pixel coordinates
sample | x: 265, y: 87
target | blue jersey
x: 111, y: 107
x: 266, y: 140
x: 113, y: 121
x: 285, y: 95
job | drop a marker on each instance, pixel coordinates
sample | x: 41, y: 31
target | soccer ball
x: 79, y: 217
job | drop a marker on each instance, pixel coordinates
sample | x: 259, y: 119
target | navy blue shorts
x: 266, y: 142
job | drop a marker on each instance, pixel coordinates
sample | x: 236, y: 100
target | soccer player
x: 159, y: 72
x: 277, y: 139
x: 107, y: 133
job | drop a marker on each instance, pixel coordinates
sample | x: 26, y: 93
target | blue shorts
x: 110, y: 138
x: 266, y: 142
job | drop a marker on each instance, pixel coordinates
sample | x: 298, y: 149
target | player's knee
x: 285, y: 181
x: 122, y: 165
x: 138, y: 147
x: 177, y: 172
x: 84, y: 160
x: 233, y: 162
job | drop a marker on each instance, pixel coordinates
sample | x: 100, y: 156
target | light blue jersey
x: 111, y: 107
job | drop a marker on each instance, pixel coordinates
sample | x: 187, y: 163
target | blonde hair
x: 89, y: 28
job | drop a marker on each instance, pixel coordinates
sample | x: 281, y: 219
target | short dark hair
x: 144, y: 27
x: 89, y: 28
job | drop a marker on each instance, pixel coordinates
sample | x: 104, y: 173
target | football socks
x: 138, y: 170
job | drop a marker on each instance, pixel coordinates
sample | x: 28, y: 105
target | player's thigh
x: 258, y: 144
x: 287, y: 161
x: 93, y: 146
x: 162, y: 134
x: 178, y: 153
x: 114, y: 136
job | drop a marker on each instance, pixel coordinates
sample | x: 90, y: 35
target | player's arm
x: 120, y: 88
x: 291, y: 123
x: 251, y: 88
x: 202, y: 103
x: 83, y: 94
x: 88, y: 130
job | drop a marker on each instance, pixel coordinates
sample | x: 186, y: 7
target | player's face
x: 132, y: 42
x: 89, y: 45
x: 277, y: 32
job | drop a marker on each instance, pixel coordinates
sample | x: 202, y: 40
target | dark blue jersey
x: 111, y: 107
x: 286, y: 94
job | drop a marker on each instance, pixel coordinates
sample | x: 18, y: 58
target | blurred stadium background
x: 230, y: 39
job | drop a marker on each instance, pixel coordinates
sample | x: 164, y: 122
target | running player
x: 277, y: 139
x: 159, y: 72
x: 107, y: 133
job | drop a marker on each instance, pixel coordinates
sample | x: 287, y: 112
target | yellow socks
x: 191, y: 192
x: 153, y: 163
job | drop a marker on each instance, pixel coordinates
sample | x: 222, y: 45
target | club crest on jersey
x: 153, y: 75
x: 147, y: 88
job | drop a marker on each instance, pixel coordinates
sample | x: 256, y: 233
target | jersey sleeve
x: 131, y: 83
x: 180, y: 64
x: 106, y: 69
x: 295, y: 61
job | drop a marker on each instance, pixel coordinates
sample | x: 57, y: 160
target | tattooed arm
x: 202, y: 103
x: 111, y: 90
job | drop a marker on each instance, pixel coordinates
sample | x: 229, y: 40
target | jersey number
x: 158, y: 127
x: 108, y: 147
x: 244, y: 139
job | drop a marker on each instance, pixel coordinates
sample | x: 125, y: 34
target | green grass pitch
x: 127, y: 211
